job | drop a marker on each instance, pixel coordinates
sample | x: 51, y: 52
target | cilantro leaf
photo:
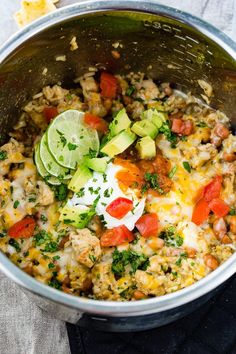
x: 122, y: 259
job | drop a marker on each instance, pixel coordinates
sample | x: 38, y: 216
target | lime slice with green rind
x: 69, y: 139
x: 42, y: 171
x: 50, y: 164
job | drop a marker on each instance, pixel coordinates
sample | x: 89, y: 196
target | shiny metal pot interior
x: 168, y: 45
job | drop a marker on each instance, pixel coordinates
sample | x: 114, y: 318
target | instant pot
x: 168, y: 45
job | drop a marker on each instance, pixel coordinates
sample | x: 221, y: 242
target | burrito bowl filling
x: 118, y: 189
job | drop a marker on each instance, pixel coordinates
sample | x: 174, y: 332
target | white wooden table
x: 25, y: 329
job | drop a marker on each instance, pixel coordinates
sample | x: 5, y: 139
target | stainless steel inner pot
x: 168, y: 45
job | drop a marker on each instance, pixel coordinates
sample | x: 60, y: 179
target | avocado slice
x: 146, y: 148
x: 119, y: 143
x: 156, y: 117
x: 145, y: 128
x: 77, y: 215
x: 80, y: 178
x: 98, y: 164
x: 119, y: 123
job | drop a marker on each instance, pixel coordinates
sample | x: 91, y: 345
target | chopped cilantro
x: 124, y: 293
x: 51, y: 247
x: 43, y: 218
x: 32, y: 199
x: 181, y: 257
x: 130, y: 90
x: 2, y: 234
x: 60, y: 192
x: 62, y: 138
x: 3, y: 155
x: 16, y: 204
x: 41, y: 237
x: 232, y: 211
x: 171, y: 137
x: 92, y: 153
x: 92, y: 258
x: 80, y: 193
x: 72, y: 146
x: 107, y: 192
x: 104, y: 177
x: 186, y: 166
x: 122, y: 259
x: 55, y: 258
x: 171, y: 238
x: 183, y: 138
x: 26, y: 254
x: 172, y: 172
x: 14, y: 244
x: 152, y: 182
x: 51, y: 265
x: 69, y: 96
x: 54, y: 283
x: 201, y: 124
x: 94, y: 191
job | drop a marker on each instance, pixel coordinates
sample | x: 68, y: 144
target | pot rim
x: 114, y: 308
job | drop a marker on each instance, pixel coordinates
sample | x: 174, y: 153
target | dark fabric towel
x: 209, y: 330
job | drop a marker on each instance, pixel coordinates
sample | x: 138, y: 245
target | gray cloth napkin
x: 24, y: 328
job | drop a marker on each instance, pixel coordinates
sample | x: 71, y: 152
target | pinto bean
x: 62, y: 242
x: 221, y: 131
x: 210, y: 261
x: 219, y: 228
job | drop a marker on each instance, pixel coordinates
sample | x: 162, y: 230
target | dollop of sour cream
x: 106, y: 187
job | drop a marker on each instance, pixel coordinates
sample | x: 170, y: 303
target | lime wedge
x: 50, y: 164
x: 41, y: 170
x: 69, y: 139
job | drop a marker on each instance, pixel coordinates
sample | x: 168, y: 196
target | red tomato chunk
x: 116, y: 236
x: 50, y: 113
x: 96, y: 122
x: 108, y: 85
x: 119, y: 207
x: 23, y: 228
x: 219, y: 207
x: 148, y: 225
x: 182, y: 127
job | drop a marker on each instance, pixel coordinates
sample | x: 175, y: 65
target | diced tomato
x: 119, y: 207
x: 221, y: 131
x: 219, y: 207
x: 201, y: 212
x: 182, y: 127
x: 96, y: 122
x: 177, y: 125
x: 108, y: 85
x: 23, y: 228
x: 148, y: 225
x: 116, y: 236
x: 212, y: 190
x: 50, y: 113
